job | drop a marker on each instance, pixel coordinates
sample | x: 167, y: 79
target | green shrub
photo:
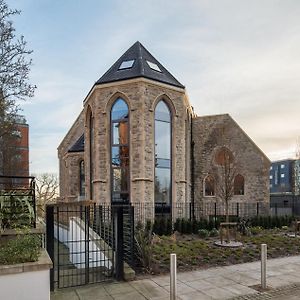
x: 203, y: 233
x: 255, y: 230
x: 25, y: 248
x: 144, y: 245
x: 214, y: 232
x: 178, y: 225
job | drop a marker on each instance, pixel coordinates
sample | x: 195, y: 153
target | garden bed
x: 194, y: 252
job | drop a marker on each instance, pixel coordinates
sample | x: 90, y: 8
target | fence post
x: 50, y: 240
x: 215, y: 218
x: 118, y: 218
x: 237, y: 209
x: 86, y: 242
x: 276, y: 209
x: 173, y: 277
x: 263, y: 266
x: 257, y: 208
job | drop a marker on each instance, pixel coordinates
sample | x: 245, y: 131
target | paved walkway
x: 231, y: 282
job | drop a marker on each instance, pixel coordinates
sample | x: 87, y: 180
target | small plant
x: 214, y: 232
x: 203, y: 233
x: 24, y: 248
x: 144, y: 238
x: 256, y: 230
x: 285, y: 228
x: 243, y: 226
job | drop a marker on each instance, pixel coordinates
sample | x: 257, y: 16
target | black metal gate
x: 87, y: 242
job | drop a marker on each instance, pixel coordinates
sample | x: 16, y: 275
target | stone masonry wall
x: 251, y: 162
x: 141, y: 96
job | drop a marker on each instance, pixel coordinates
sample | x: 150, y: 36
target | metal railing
x: 18, y: 203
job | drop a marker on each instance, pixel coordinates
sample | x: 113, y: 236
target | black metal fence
x: 88, y: 242
x: 150, y: 211
x: 17, y: 199
x: 281, y: 205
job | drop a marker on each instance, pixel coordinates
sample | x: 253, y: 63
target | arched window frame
x: 205, y: 182
x: 90, y: 157
x: 124, y: 194
x: 81, y: 178
x: 168, y: 161
x: 239, y: 185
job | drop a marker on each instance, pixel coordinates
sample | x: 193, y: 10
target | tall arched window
x: 91, y: 148
x: 120, y: 151
x: 239, y: 185
x: 163, y: 156
x: 81, y: 178
x: 209, y: 186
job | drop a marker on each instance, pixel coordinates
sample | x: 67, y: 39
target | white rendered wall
x: 26, y: 286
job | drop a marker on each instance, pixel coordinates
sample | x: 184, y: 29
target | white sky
x: 237, y: 57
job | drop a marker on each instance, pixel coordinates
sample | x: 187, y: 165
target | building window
x: 209, y: 186
x: 163, y: 142
x: 239, y: 183
x: 81, y: 179
x: 224, y: 157
x: 271, y: 168
x: 271, y: 185
x: 271, y: 176
x: 282, y: 166
x: 120, y: 151
x: 91, y: 155
x: 282, y: 175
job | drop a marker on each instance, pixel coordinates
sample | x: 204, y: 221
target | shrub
x: 203, y: 233
x: 256, y: 230
x: 214, y: 232
x: 144, y: 245
x: 25, y: 248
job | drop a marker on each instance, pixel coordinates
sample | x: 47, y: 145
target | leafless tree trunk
x: 46, y: 191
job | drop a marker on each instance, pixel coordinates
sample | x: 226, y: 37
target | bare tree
x: 225, y: 174
x: 14, y: 74
x: 46, y: 191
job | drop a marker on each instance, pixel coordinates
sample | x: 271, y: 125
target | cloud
x: 237, y: 57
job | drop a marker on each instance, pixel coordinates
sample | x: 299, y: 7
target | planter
x: 27, y: 281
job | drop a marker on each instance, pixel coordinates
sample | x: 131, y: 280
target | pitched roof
x: 78, y: 146
x: 137, y: 61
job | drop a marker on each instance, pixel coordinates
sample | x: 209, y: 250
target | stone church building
x: 137, y: 140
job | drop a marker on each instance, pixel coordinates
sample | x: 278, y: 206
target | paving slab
x: 215, y: 283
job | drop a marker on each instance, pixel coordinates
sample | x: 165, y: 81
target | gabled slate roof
x: 137, y: 61
x: 78, y: 146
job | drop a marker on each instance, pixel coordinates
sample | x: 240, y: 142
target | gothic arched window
x: 81, y: 178
x: 119, y: 118
x: 163, y: 157
x: 239, y: 185
x: 209, y: 186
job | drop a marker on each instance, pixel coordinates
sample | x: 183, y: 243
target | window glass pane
x: 120, y: 180
x: 162, y: 185
x: 163, y: 163
x: 117, y: 180
x: 162, y: 140
x: 162, y: 112
x: 120, y: 156
x: 119, y: 110
x: 153, y: 66
x: 120, y: 133
x: 126, y: 64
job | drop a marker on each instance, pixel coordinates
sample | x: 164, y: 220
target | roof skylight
x: 153, y: 66
x: 126, y: 64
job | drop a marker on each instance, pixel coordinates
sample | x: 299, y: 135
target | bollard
x: 263, y: 266
x: 173, y: 277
